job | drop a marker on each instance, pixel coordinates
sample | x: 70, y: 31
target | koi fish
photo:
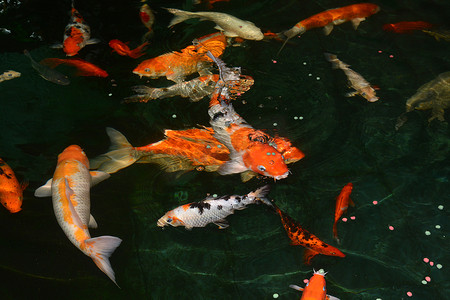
x: 147, y: 18
x: 84, y: 68
x: 355, y: 80
x: 407, y: 27
x: 194, y: 89
x: 250, y: 149
x: 342, y: 203
x: 315, y: 289
x: 175, y: 66
x: 181, y: 150
x: 11, y: 192
x: 210, y: 210
x: 77, y: 34
x: 122, y: 49
x: 439, y: 34
x: 8, y: 75
x: 355, y: 13
x: 209, y: 2
x: 300, y: 236
x: 230, y: 25
x: 47, y: 73
x: 69, y: 189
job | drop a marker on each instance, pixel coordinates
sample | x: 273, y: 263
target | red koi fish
x: 342, y: 202
x: 147, y: 18
x: 11, y: 192
x: 70, y: 189
x: 84, y: 68
x: 355, y: 13
x: 209, y: 2
x: 407, y: 27
x: 315, y: 289
x: 300, y: 236
x: 176, y: 66
x: 181, y: 150
x: 77, y: 34
x: 122, y: 49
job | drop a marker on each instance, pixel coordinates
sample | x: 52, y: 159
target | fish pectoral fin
x: 230, y: 34
x: 45, y: 190
x: 222, y: 223
x: 351, y: 94
x: 356, y: 22
x: 56, y: 46
x: 98, y: 176
x: 92, y: 222
x: 232, y: 166
x: 92, y: 41
x: 247, y: 175
x: 296, y: 287
x: 69, y: 193
x: 329, y: 297
x: 328, y: 28
x: 308, y: 256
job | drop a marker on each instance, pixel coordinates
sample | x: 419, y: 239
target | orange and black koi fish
x: 342, y: 202
x: 302, y: 237
x: 407, y: 27
x: 11, y: 192
x: 84, y: 68
x: 122, y: 48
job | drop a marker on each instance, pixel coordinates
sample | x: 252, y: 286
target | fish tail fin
x: 120, y: 154
x: 260, y: 194
x: 180, y: 16
x: 138, y: 52
x: 144, y: 94
x: 335, y: 234
x: 332, y: 58
x: 147, y: 36
x: 101, y: 248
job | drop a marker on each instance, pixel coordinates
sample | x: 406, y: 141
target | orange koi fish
x: 407, y: 27
x: 181, y: 150
x: 84, y: 68
x: 342, y: 202
x: 209, y: 3
x: 76, y: 35
x: 11, y: 192
x: 302, y: 237
x: 176, y: 66
x: 147, y: 18
x: 355, y: 13
x: 69, y: 189
x: 315, y: 289
x: 122, y: 49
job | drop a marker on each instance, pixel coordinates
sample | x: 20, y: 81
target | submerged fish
x: 210, y: 210
x: 121, y: 48
x: 315, y: 289
x: 147, y: 18
x: 47, y: 73
x: 84, y: 68
x: 355, y: 80
x: 8, y: 75
x: 11, y: 191
x: 342, y: 203
x: 407, y: 26
x: 69, y: 189
x: 439, y: 34
x: 230, y: 25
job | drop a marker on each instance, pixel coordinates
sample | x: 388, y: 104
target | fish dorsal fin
x: 92, y: 222
x: 222, y: 223
x: 69, y: 193
x: 328, y: 28
x: 45, y: 190
x: 98, y: 176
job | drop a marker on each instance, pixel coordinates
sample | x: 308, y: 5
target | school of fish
x: 230, y: 145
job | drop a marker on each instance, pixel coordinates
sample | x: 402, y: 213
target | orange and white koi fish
x: 122, y: 49
x: 356, y: 81
x: 300, y: 236
x: 230, y: 25
x: 11, y: 192
x: 316, y: 288
x: 210, y: 210
x: 8, y: 75
x: 147, y: 18
x: 407, y: 27
x: 342, y: 202
x: 77, y: 34
x: 84, y: 68
x: 176, y: 65
x: 69, y: 189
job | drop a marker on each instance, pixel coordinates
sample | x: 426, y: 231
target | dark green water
x: 344, y: 139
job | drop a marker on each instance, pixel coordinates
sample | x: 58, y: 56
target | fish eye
x: 261, y: 168
x: 169, y: 220
x: 307, y: 284
x: 363, y: 93
x: 147, y: 70
x: 324, y: 289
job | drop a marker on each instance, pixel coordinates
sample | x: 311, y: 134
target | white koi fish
x: 356, y: 81
x: 69, y: 189
x: 211, y: 210
x: 230, y: 25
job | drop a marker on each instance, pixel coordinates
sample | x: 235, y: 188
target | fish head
x: 369, y: 94
x: 12, y: 201
x: 290, y: 153
x: 332, y: 251
x: 154, y: 67
x: 74, y: 152
x: 265, y: 160
x: 71, y: 46
x: 316, y: 287
x: 249, y: 31
x: 169, y: 219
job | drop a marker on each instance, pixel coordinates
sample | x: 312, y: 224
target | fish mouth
x: 137, y: 73
x: 161, y: 222
x: 281, y: 176
x: 374, y: 99
x: 15, y: 210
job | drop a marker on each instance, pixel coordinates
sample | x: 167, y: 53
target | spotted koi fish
x: 11, y: 191
x: 76, y: 35
x: 69, y: 189
x: 315, y: 289
x: 342, y: 203
x: 210, y: 210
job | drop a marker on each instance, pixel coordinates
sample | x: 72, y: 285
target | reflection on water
x: 295, y: 95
